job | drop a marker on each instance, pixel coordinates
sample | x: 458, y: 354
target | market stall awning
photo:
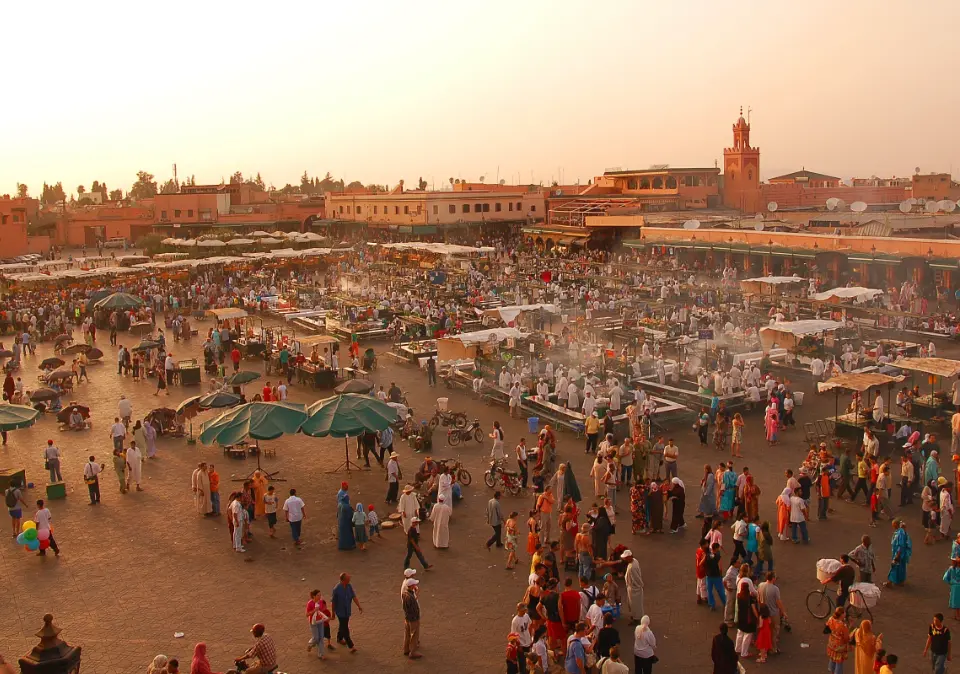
x: 857, y: 381
x: 808, y: 327
x: 773, y: 280
x: 495, y: 335
x: 856, y: 293
x: 227, y: 313
x: 509, y: 314
x: 942, y: 367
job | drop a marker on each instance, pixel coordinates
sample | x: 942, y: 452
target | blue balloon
x: 34, y: 544
x: 21, y: 539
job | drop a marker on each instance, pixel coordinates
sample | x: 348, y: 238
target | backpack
x: 10, y: 496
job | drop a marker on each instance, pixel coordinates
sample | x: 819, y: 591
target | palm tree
x: 81, y: 189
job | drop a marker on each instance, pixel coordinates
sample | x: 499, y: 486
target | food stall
x: 805, y: 339
x: 858, y: 415
x: 938, y: 404
x: 313, y: 370
x: 769, y: 287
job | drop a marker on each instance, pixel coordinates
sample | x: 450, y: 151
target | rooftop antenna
x: 772, y: 206
x: 749, y: 110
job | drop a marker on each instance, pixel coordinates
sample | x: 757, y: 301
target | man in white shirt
x: 393, y: 478
x: 295, y: 511
x: 43, y: 517
x: 521, y: 625
x: 51, y: 454
x: 589, y: 403
x: 91, y: 475
x: 125, y: 408
x: 170, y: 367
x: 118, y: 432
x: 816, y: 369
x: 871, y: 445
x: 798, y: 518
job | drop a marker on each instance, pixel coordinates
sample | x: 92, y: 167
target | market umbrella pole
x: 347, y: 464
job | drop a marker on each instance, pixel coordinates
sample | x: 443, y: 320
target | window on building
x: 176, y: 213
x: 16, y: 218
x: 206, y: 214
x: 510, y: 205
x: 163, y: 215
x: 658, y: 183
x: 533, y: 208
x: 3, y: 219
x: 486, y: 208
x: 348, y: 210
x: 498, y: 207
x: 632, y: 184
x: 341, y: 209
x: 644, y: 184
x: 359, y: 208
x: 396, y: 210
x: 452, y: 209
x: 477, y: 208
x: 749, y: 175
x: 519, y: 206
x: 671, y: 183
x: 190, y: 213
x: 375, y: 208
x: 436, y: 210
x: 466, y: 208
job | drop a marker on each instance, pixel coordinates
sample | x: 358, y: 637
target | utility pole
x: 175, y: 181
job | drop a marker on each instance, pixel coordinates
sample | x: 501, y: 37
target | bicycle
x: 821, y: 604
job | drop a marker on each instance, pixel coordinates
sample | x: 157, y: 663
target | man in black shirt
x: 938, y: 643
x: 395, y: 394
x: 413, y: 545
x: 411, y: 619
x: 846, y: 575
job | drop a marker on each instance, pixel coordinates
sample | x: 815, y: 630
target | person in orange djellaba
x: 838, y: 643
x: 783, y: 513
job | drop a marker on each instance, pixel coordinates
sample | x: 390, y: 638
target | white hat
x: 412, y: 581
x: 625, y: 554
x: 415, y: 520
x: 407, y: 573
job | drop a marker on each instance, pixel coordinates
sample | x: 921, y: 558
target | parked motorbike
x: 509, y: 480
x: 455, y: 419
x: 456, y: 468
x: 457, y: 435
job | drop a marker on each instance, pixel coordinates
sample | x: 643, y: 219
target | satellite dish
x: 912, y: 201
x: 930, y: 207
x: 858, y: 206
x: 920, y: 200
x: 691, y: 224
x: 758, y: 216
x: 945, y: 204
x: 758, y: 226
x: 832, y: 203
x: 949, y: 206
x: 905, y: 207
x: 772, y: 206
x: 841, y: 204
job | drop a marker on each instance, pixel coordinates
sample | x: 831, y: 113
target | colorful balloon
x: 43, y: 534
x: 29, y: 524
x: 33, y: 545
x: 30, y: 534
x: 21, y: 539
x: 45, y: 543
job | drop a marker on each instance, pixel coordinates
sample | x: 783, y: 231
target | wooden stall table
x: 317, y: 377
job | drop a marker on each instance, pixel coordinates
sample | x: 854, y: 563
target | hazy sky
x: 382, y: 90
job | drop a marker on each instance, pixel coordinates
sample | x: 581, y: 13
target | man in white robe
x: 445, y: 488
x: 634, y: 582
x: 440, y: 516
x: 134, y: 465
x: 407, y: 506
x: 200, y: 483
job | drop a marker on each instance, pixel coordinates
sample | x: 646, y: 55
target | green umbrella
x: 219, y: 399
x: 348, y: 415
x: 260, y: 421
x: 242, y: 377
x: 120, y: 301
x: 13, y: 417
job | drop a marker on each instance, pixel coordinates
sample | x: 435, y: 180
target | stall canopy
x: 509, y: 314
x: 941, y: 367
x: 788, y: 333
x: 465, y: 345
x: 768, y: 284
x: 228, y: 313
x: 310, y: 341
x: 857, y: 381
x: 857, y: 294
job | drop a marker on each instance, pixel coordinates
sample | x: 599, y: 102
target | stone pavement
x: 143, y: 566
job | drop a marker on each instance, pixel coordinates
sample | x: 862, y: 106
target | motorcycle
x: 240, y: 665
x: 459, y: 472
x: 457, y: 435
x: 496, y: 476
x: 455, y: 419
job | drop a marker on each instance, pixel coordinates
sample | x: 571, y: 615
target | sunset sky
x: 379, y: 91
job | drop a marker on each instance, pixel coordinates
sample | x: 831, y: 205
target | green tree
x: 95, y: 187
x: 258, y: 181
x: 355, y: 185
x: 144, y: 188
x: 236, y: 178
x: 116, y: 195
x: 169, y: 187
x: 52, y: 194
x: 422, y: 185
x: 22, y: 191
x: 81, y: 189
x: 306, y: 185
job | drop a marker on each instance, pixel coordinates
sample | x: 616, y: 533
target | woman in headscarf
x: 638, y: 507
x: 360, y: 526
x: 678, y: 496
x: 150, y: 436
x: 723, y: 653
x: 200, y: 663
x: 708, y: 493
x: 783, y: 513
x: 345, y: 536
x: 720, y: 431
x: 901, y: 549
x: 259, y: 482
x: 771, y: 424
x: 597, y: 471
x: 866, y: 646
x: 139, y: 435
x: 952, y: 577
x: 751, y: 498
x: 602, y: 528
x: 159, y: 665
x: 570, y: 488
x: 644, y: 647
x: 728, y: 495
x: 655, y: 508
x: 838, y: 643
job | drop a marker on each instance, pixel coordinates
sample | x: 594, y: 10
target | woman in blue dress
x: 345, y: 537
x: 729, y: 493
x: 952, y: 576
x: 901, y: 549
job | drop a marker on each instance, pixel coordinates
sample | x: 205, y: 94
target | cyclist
x: 265, y: 652
x: 845, y: 576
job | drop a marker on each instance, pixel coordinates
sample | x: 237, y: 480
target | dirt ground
x: 143, y: 566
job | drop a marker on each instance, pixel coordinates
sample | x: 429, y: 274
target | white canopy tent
x: 857, y: 294
x: 787, y: 334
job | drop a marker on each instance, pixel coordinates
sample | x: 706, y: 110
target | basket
x: 826, y: 568
x: 864, y: 595
x: 798, y: 397
x: 442, y: 404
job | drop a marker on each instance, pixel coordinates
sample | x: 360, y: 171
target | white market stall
x: 468, y: 344
x: 788, y: 334
x: 771, y: 285
x: 856, y: 294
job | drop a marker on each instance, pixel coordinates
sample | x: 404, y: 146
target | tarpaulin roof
x: 807, y: 327
x: 774, y: 280
x: 942, y: 367
x: 481, y: 336
x: 857, y: 294
x: 510, y: 313
x: 857, y: 381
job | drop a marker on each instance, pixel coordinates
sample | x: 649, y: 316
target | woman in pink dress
x: 771, y: 424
